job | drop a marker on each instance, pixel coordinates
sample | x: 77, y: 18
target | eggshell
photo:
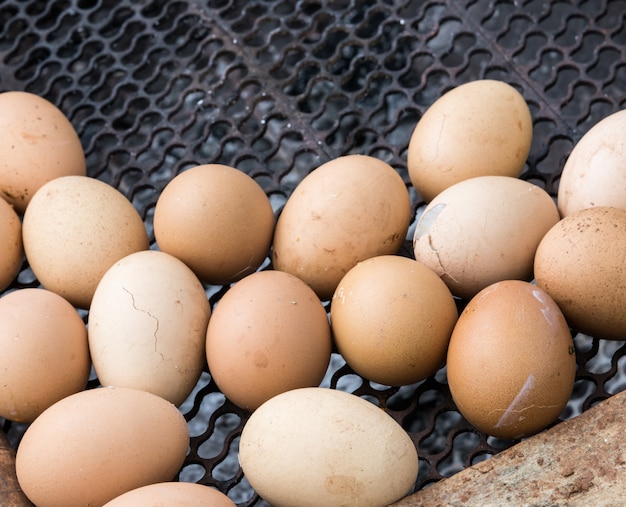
x: 93, y: 446
x: 11, y: 245
x: 172, y: 494
x: 479, y: 128
x: 268, y: 334
x: 345, y: 211
x: 483, y: 230
x: 317, y: 446
x: 147, y: 325
x: 391, y: 319
x: 511, y: 362
x: 580, y: 263
x: 75, y: 228
x: 44, y: 357
x: 594, y: 173
x: 38, y: 143
x: 217, y: 220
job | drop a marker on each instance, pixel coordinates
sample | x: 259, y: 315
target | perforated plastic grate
x: 275, y: 88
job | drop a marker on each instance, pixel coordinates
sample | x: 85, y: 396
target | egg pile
x: 527, y: 268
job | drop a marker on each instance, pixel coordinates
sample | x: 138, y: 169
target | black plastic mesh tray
x: 275, y: 88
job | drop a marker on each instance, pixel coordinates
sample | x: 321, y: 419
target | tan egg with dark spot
x: 345, y: 211
x: 38, y: 143
x: 581, y: 263
x: 74, y: 229
x: 217, y: 220
x: 511, y: 362
x: 11, y: 244
x: 392, y: 318
x: 479, y: 128
x: 268, y: 334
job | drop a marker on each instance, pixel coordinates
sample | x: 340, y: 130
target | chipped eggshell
x: 345, y: 211
x: 594, y: 173
x: 318, y: 446
x: 269, y: 333
x: 483, y: 127
x: 392, y: 318
x: 580, y: 263
x: 172, y: 494
x: 45, y: 356
x: 511, y: 362
x: 217, y: 220
x: 74, y: 229
x: 93, y: 446
x: 38, y: 143
x: 483, y: 230
x: 147, y: 325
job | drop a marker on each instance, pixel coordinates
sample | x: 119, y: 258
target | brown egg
x: 345, y: 211
x: 38, y: 143
x: 11, y: 245
x: 595, y: 171
x: 95, y: 445
x: 483, y: 230
x: 269, y: 333
x: 75, y: 228
x: 580, y: 263
x: 44, y: 357
x: 172, y: 494
x: 147, y: 325
x: 392, y: 318
x: 217, y: 220
x: 511, y: 362
x: 479, y: 128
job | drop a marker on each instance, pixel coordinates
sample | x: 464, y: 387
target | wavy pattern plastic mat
x: 277, y: 87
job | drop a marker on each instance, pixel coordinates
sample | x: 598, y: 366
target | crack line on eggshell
x: 156, y: 321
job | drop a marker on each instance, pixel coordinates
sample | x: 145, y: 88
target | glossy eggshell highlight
x: 479, y: 128
x: 511, y: 362
x: 580, y: 263
x: 392, y: 318
x: 317, y: 446
x: 345, y: 211
x: 594, y: 173
x: 217, y: 220
x: 45, y: 356
x: 75, y: 228
x: 483, y: 230
x: 11, y: 244
x: 147, y: 325
x: 93, y: 446
x: 38, y: 143
x: 172, y: 494
x: 268, y: 334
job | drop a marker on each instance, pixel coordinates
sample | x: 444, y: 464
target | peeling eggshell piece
x: 511, y: 362
x: 316, y: 446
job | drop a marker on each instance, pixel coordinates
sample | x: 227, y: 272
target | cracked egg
x: 511, y: 361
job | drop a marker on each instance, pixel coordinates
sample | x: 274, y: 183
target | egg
x: 483, y: 127
x: 44, y: 357
x: 511, y: 362
x: 483, y: 230
x: 75, y: 228
x: 93, y: 446
x: 172, y: 494
x: 580, y: 263
x: 391, y: 319
x: 594, y: 173
x: 318, y: 446
x: 38, y: 143
x: 269, y: 333
x: 345, y: 211
x: 217, y: 220
x: 11, y: 244
x: 147, y: 325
